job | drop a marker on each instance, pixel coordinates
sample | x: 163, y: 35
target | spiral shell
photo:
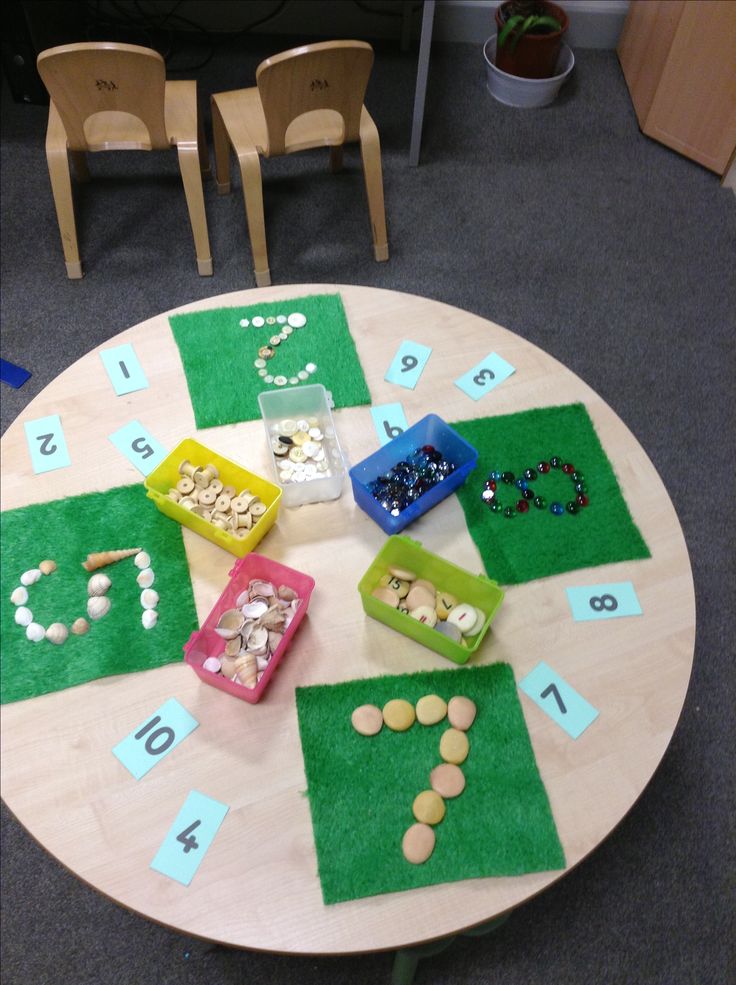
x: 57, y: 633
x: 23, y: 616
x: 98, y: 606
x: 35, y: 632
x: 98, y: 584
x: 246, y: 669
x: 19, y: 596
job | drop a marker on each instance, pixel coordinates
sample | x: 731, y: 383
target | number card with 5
x: 139, y: 447
x: 155, y: 737
x: 481, y: 379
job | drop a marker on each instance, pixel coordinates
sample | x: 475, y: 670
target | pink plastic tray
x: 207, y: 643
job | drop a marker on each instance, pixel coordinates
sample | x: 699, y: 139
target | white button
x: 281, y: 319
x: 310, y: 448
x: 310, y: 470
x: 300, y: 477
x: 311, y: 367
x: 302, y: 425
x: 296, y: 319
x: 244, y: 323
x: 283, y: 336
x: 288, y: 427
x: 286, y: 330
x: 260, y: 363
x: 303, y: 374
x: 315, y: 433
x: 268, y: 378
x: 293, y: 380
x: 263, y: 372
x: 280, y: 380
x: 258, y: 321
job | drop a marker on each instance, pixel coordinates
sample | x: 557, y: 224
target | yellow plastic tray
x: 166, y: 475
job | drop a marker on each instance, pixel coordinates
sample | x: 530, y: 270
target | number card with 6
x: 153, y: 739
x: 189, y: 837
x: 139, y: 447
x: 408, y: 364
x: 47, y: 444
x: 125, y: 372
x: 389, y: 421
x: 559, y: 700
x: 485, y: 376
x: 608, y: 601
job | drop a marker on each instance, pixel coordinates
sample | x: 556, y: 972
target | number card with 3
x: 408, y: 364
x: 608, y: 601
x: 125, y: 372
x: 139, y: 447
x: 155, y: 738
x: 559, y: 700
x: 47, y: 444
x: 389, y: 421
x: 189, y: 837
x: 482, y: 378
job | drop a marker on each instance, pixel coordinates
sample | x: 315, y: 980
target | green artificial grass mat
x: 218, y: 356
x: 538, y: 543
x: 66, y: 531
x: 361, y: 789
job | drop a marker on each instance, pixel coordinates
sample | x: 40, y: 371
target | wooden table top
x: 257, y: 886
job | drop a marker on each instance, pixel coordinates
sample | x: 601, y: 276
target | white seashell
x: 252, y: 610
x: 146, y: 578
x: 31, y: 576
x: 262, y: 662
x: 23, y: 616
x: 98, y: 584
x: 80, y: 627
x: 57, y: 633
x: 142, y: 560
x: 212, y: 664
x: 229, y: 624
x: 149, y: 598
x: 98, y: 606
x: 47, y: 567
x: 19, y: 596
x: 149, y: 618
x: 35, y: 632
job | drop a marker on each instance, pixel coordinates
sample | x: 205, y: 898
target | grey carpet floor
x: 565, y: 225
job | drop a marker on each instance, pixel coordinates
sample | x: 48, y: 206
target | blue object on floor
x: 12, y: 374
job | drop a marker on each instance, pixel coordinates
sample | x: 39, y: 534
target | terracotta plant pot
x: 535, y: 56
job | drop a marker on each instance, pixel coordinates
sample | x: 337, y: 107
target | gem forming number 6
x: 282, y: 327
x: 490, y: 490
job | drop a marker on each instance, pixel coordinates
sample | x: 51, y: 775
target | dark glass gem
x: 488, y: 495
x: 581, y: 487
x: 495, y: 475
x: 508, y: 478
x: 490, y: 484
x: 509, y: 511
x: 543, y: 467
x: 555, y: 462
x: 582, y: 500
x: 522, y: 506
x: 496, y: 507
x: 568, y: 469
x: 527, y: 494
x: 577, y: 476
x: 521, y: 484
x: 557, y: 508
x: 530, y: 474
x: 540, y: 502
x: 572, y: 507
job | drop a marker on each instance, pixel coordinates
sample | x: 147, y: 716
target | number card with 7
x: 189, y: 837
x: 559, y: 700
x: 408, y: 364
x: 155, y: 738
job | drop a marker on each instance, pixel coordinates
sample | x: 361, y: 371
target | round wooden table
x: 257, y: 886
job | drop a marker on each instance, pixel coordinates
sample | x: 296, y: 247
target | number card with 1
x: 481, y: 379
x: 47, y: 444
x: 155, y: 738
x: 139, y: 447
x: 408, y: 364
x: 125, y: 372
x: 189, y: 837
x: 389, y: 421
x: 559, y: 700
x: 608, y: 601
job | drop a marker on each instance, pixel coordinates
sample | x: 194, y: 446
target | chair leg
x: 61, y: 189
x: 336, y: 158
x: 250, y: 170
x: 204, y: 154
x: 222, y: 151
x: 370, y: 150
x: 81, y: 171
x: 192, y: 179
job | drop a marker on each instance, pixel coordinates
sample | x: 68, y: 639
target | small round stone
x: 461, y: 712
x: 398, y: 714
x: 403, y: 574
x: 431, y: 709
x: 424, y: 614
x: 385, y: 594
x: 367, y: 720
x: 448, y: 780
x: 444, y: 603
x: 454, y: 746
x: 418, y: 843
x: 428, y: 807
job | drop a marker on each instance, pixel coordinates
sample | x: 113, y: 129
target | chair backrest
x: 329, y: 75
x: 109, y: 96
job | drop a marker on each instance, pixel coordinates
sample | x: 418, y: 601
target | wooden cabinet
x: 679, y: 61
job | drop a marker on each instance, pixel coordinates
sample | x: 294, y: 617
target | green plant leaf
x: 508, y: 28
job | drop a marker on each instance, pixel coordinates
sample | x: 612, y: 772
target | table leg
x: 407, y: 959
x: 425, y: 43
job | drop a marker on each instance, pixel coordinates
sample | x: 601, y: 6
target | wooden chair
x: 108, y: 96
x: 307, y: 97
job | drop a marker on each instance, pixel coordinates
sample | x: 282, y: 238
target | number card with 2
x: 559, y: 700
x: 189, y: 837
x: 153, y: 739
x: 603, y: 601
x: 125, y: 372
x: 408, y: 364
x: 139, y: 447
x: 389, y: 421
x: 47, y: 444
x: 481, y: 379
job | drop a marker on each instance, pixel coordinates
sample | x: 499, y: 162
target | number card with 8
x: 609, y: 601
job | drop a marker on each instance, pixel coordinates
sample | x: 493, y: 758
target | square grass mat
x: 361, y: 789
x: 66, y: 530
x: 218, y: 356
x: 538, y: 543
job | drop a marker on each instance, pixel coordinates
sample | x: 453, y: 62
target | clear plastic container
x: 304, y: 404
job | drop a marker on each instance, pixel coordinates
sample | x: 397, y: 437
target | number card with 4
x: 559, y: 700
x: 608, y: 601
x: 125, y: 372
x: 389, y: 421
x: 139, y: 447
x: 47, y: 444
x: 153, y: 739
x: 408, y: 364
x: 189, y: 837
x: 482, y: 378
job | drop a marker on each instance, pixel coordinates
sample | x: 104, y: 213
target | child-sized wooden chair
x: 109, y: 96
x: 307, y: 97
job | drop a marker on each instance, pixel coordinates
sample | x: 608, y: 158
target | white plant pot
x: 511, y: 90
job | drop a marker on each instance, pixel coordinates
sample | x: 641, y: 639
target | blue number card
x: 189, y: 837
x: 559, y: 700
x: 408, y: 364
x: 481, y: 379
x: 389, y: 421
x: 125, y: 372
x: 47, y: 444
x: 154, y: 738
x: 608, y: 601
x: 139, y: 447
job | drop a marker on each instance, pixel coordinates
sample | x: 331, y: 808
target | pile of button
x: 403, y: 590
x: 303, y: 450
x: 201, y: 491
x: 409, y: 479
x: 446, y: 780
x: 253, y: 631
